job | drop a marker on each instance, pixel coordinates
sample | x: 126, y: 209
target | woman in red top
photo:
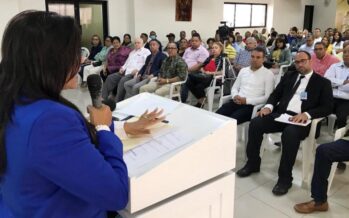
x: 198, y: 82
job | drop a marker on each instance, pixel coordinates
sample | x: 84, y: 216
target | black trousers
x: 242, y: 113
x: 197, y: 82
x: 341, y: 109
x: 291, y: 137
x: 326, y: 154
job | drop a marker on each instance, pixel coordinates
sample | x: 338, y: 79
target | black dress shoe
x: 247, y: 170
x: 281, y: 189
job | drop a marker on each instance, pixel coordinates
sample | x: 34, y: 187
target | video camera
x: 224, y: 31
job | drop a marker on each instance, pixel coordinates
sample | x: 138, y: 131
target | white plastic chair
x: 84, y: 54
x: 281, y: 73
x: 308, y: 146
x: 244, y: 126
x: 338, y: 135
x: 175, y: 89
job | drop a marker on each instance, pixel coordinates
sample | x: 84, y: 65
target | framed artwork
x: 183, y: 10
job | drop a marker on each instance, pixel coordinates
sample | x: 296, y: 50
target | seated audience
x: 302, y: 94
x: 96, y: 46
x: 252, y: 87
x: 100, y: 58
x: 338, y: 74
x: 198, y: 81
x: 149, y: 70
x: 309, y: 45
x: 326, y: 154
x: 279, y: 56
x: 133, y: 64
x: 127, y: 41
x: 297, y: 42
x: 144, y: 37
x: 270, y: 41
x: 228, y: 47
x: 210, y: 42
x: 244, y: 56
x: 337, y: 44
x: 116, y: 57
x: 346, y: 35
x: 171, y: 38
x: 317, y: 35
x: 182, y: 35
x: 173, y: 69
x: 183, y: 45
x: 328, y: 47
x: 321, y: 61
x: 238, y: 44
x: 194, y: 56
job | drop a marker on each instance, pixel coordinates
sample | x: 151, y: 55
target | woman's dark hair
x: 108, y: 37
x: 129, y: 36
x: 277, y: 40
x: 116, y: 38
x: 40, y: 52
x: 210, y: 40
x: 339, y: 37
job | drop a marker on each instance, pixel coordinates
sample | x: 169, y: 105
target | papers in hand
x: 285, y: 118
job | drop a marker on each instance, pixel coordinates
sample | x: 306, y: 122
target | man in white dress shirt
x: 133, y: 64
x: 252, y: 87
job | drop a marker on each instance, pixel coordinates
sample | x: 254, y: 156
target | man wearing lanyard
x: 304, y: 95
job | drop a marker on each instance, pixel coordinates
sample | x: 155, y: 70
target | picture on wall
x: 183, y: 10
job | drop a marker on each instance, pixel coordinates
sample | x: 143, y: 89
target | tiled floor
x: 253, y: 196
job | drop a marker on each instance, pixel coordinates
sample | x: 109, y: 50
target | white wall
x: 137, y: 16
x: 324, y: 16
x: 9, y: 8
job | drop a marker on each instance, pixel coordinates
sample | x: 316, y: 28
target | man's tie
x: 295, y: 87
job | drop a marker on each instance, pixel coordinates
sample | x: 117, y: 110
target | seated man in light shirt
x: 253, y: 86
x: 338, y: 74
x: 309, y: 45
x: 193, y: 56
x: 244, y: 56
x: 134, y: 63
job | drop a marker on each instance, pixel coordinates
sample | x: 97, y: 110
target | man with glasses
x: 173, y: 69
x: 302, y: 94
x: 321, y: 60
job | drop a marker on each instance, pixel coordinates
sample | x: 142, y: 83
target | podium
x: 193, y: 181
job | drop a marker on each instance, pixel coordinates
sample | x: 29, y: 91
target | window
x: 243, y: 15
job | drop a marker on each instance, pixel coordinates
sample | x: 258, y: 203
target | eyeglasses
x: 301, y: 61
x: 169, y: 48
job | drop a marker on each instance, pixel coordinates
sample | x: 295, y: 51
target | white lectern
x: 193, y: 181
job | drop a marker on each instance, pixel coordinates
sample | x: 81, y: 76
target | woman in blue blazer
x: 53, y: 163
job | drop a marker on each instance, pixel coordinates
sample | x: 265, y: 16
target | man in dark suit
x: 304, y: 95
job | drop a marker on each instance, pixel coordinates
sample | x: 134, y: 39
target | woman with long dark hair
x: 54, y: 163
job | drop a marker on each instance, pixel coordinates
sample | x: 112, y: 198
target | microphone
x: 94, y: 84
